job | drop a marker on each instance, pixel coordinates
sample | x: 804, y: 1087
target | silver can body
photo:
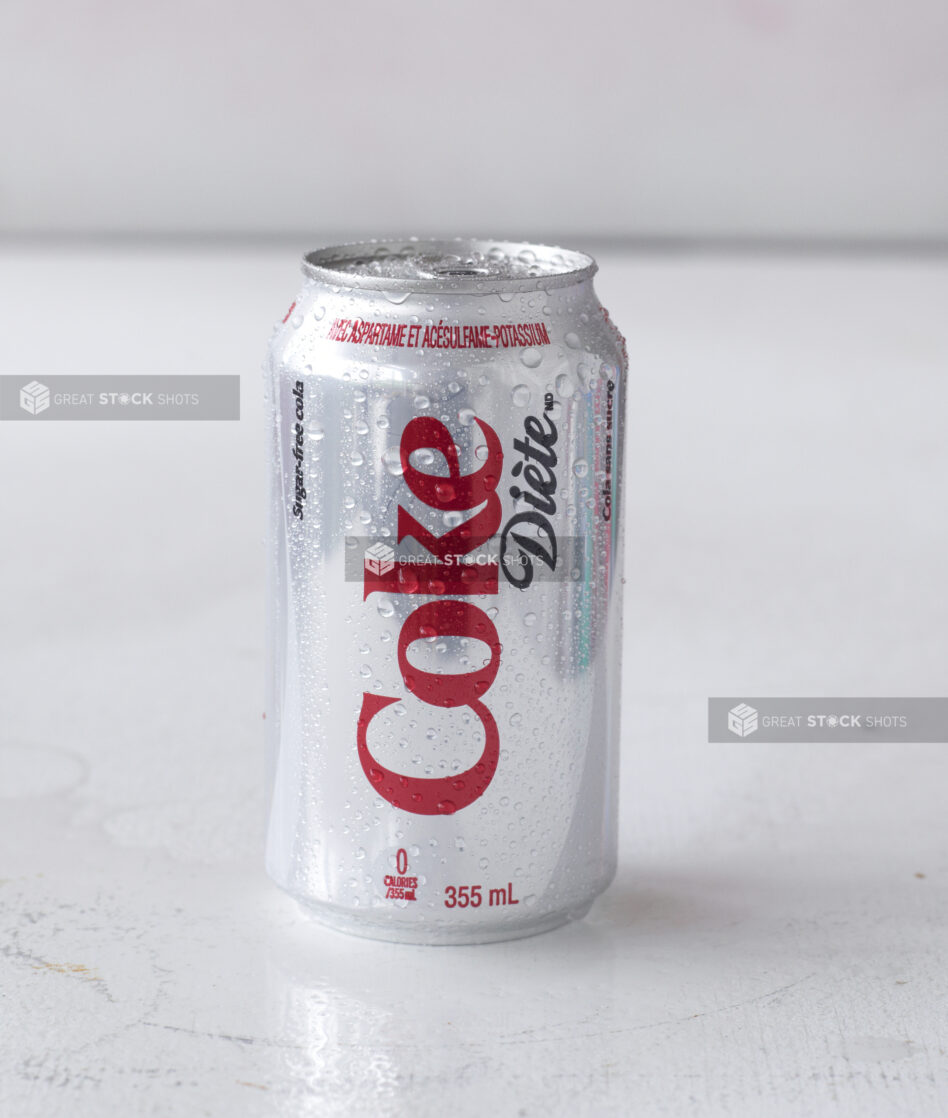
x: 445, y: 552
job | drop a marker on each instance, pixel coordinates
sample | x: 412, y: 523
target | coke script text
x: 444, y: 617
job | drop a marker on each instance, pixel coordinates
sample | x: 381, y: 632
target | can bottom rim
x: 432, y: 935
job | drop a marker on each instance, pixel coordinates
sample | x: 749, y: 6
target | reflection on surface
x: 372, y: 1027
x: 368, y: 1024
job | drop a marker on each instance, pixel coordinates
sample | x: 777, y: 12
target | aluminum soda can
x: 445, y: 559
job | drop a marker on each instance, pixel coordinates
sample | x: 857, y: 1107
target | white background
x: 774, y: 943
x: 709, y: 118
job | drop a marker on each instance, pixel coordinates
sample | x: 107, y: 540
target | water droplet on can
x: 392, y: 461
x: 421, y: 458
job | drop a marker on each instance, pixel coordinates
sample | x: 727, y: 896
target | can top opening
x: 476, y: 267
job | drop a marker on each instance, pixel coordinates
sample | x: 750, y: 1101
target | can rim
x: 563, y: 267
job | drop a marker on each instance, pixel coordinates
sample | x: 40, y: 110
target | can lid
x: 463, y: 265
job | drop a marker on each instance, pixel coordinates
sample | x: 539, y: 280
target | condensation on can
x: 445, y: 550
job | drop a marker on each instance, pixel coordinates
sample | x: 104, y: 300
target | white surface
x: 774, y: 117
x: 769, y: 946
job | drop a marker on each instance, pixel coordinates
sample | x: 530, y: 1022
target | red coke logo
x: 443, y: 617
